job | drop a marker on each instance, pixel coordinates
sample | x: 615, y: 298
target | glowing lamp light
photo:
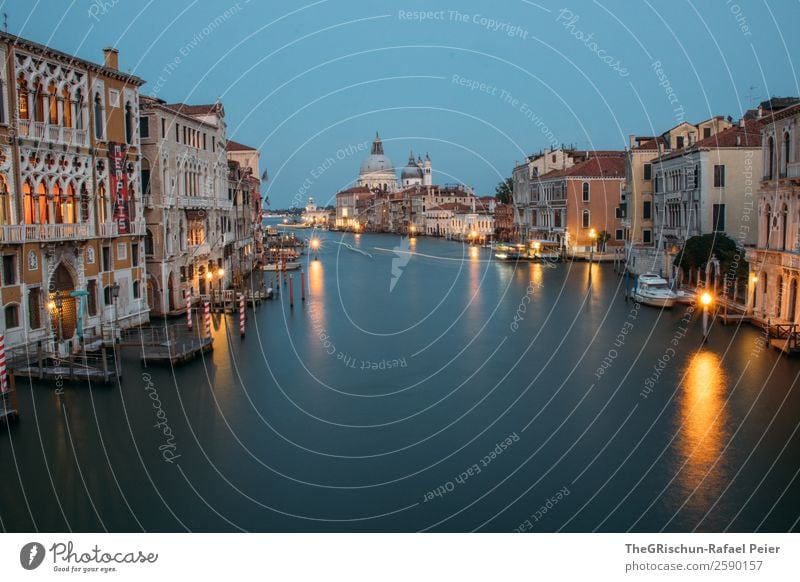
x: 592, y: 234
x: 537, y: 245
x: 314, y: 243
x: 52, y: 305
x: 221, y: 273
x: 209, y: 275
x: 706, y: 299
x: 754, y: 278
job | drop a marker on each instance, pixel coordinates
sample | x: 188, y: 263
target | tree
x: 698, y: 250
x: 504, y: 191
x: 602, y: 238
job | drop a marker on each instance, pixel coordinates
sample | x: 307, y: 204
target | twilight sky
x: 476, y: 85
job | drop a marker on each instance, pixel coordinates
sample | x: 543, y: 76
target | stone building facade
x: 71, y: 214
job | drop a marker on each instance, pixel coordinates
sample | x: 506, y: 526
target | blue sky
x: 476, y: 85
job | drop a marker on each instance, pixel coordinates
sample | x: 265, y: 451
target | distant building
x: 567, y: 204
x: 314, y: 215
x: 523, y: 178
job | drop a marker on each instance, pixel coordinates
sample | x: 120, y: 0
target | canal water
x: 423, y: 386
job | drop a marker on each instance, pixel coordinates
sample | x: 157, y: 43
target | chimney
x: 631, y: 140
x: 111, y: 58
x: 741, y: 122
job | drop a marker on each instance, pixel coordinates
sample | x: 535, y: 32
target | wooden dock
x: 784, y: 337
x: 172, y: 344
x: 83, y: 366
x: 177, y: 351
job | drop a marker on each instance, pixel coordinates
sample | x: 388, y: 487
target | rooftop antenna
x: 5, y: 21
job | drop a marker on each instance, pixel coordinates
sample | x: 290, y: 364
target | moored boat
x: 289, y: 266
x: 654, y: 291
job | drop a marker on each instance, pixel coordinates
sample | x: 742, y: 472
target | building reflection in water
x: 703, y: 418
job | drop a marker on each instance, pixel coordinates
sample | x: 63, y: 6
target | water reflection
x: 704, y: 419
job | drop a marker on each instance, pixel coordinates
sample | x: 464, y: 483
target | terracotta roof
x: 235, y: 146
x: 651, y: 144
x: 604, y: 166
x: 355, y: 190
x: 737, y: 136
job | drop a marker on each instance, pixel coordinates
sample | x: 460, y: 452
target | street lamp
x: 59, y: 305
x: 220, y: 274
x: 536, y: 246
x: 593, y: 237
x: 754, y: 280
x: 706, y: 299
x: 413, y: 230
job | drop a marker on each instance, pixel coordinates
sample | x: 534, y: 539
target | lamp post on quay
x: 706, y: 300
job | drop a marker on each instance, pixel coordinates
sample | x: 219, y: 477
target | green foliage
x: 698, y: 250
x: 504, y: 191
x: 602, y: 238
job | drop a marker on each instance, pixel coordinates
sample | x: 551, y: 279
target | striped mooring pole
x: 189, y: 310
x: 207, y: 317
x: 291, y: 291
x: 242, y: 307
x: 3, y: 372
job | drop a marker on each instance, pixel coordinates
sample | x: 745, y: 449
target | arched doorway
x: 153, y: 295
x: 171, y: 293
x: 63, y: 312
x: 791, y: 313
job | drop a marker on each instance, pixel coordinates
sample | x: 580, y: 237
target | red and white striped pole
x: 3, y: 373
x: 189, y: 310
x: 241, y: 313
x: 207, y: 317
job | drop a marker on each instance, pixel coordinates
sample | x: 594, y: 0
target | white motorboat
x: 654, y: 291
x: 289, y: 266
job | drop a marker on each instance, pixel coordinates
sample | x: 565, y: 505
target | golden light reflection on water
x: 315, y: 278
x: 535, y: 273
x: 704, y: 419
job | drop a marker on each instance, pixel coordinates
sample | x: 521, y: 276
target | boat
x: 511, y: 253
x: 548, y: 251
x: 289, y: 266
x: 654, y: 291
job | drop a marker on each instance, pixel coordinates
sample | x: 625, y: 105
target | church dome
x: 412, y: 171
x: 377, y: 161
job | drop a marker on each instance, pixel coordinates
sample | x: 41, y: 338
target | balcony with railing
x: 201, y: 249
x: 19, y: 233
x: 201, y: 202
x: 40, y: 131
x: 136, y: 227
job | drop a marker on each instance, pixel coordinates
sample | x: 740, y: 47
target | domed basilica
x: 378, y: 173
